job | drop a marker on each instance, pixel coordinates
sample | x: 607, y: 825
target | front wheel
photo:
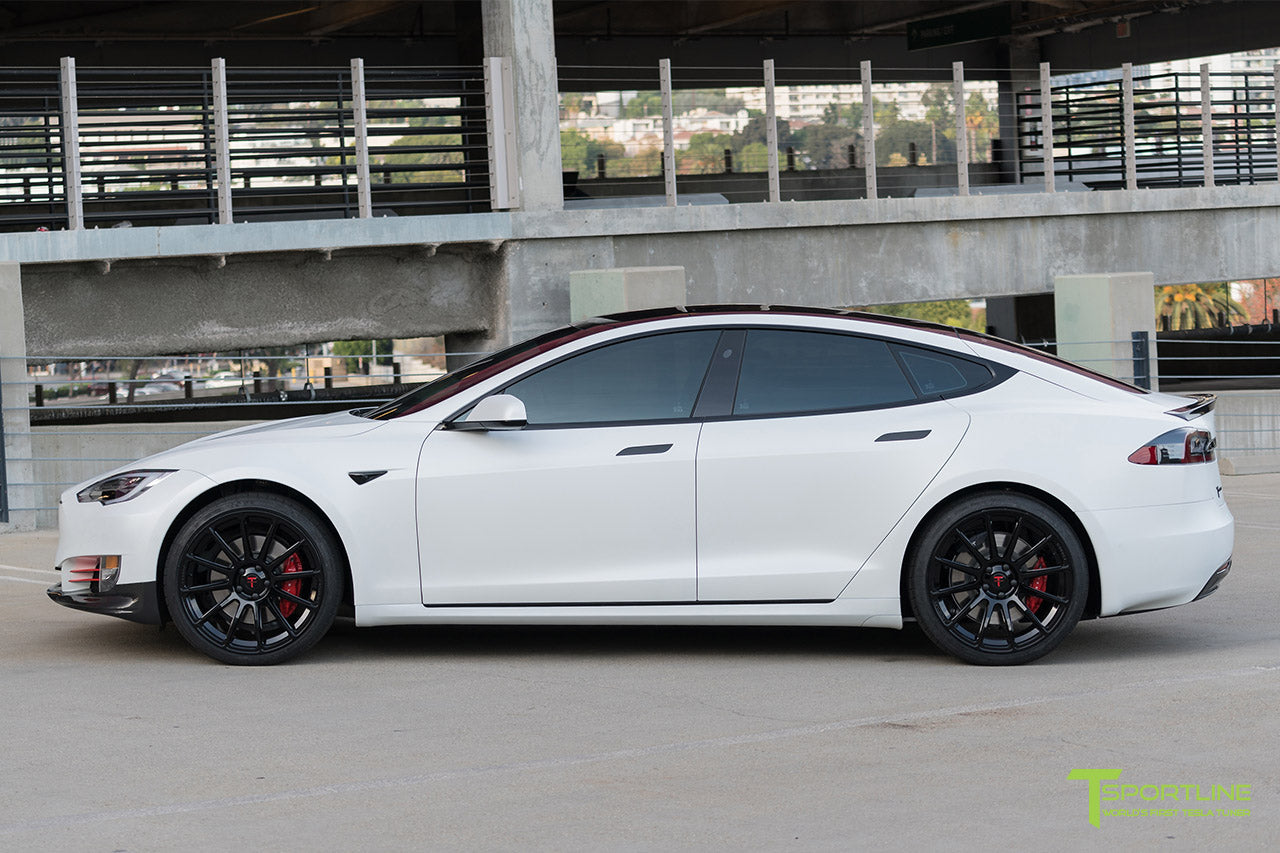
x: 253, y: 578
x: 998, y: 578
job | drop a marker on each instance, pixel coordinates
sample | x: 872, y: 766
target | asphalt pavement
x: 116, y: 736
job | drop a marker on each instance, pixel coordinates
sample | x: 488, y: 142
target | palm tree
x: 1195, y: 306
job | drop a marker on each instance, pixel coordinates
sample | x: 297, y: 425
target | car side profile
x: 740, y: 465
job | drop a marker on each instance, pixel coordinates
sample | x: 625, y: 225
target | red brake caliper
x: 294, y: 564
x: 1038, y: 583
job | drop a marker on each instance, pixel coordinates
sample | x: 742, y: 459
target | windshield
x: 475, y: 372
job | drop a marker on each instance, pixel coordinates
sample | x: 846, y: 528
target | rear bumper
x: 1215, y: 580
x: 137, y: 602
x: 1154, y: 557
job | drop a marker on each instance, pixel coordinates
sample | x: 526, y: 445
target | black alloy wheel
x: 253, y: 578
x: 998, y: 578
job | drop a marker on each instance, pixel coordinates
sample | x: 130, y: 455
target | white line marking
x: 5, y: 568
x: 1257, y: 526
x: 346, y: 788
x: 23, y: 580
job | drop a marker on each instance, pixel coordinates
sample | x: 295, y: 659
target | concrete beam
x: 189, y: 304
x: 507, y: 275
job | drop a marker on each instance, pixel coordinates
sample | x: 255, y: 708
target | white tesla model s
x: 720, y: 465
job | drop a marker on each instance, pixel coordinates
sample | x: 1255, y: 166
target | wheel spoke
x: 210, y: 564
x: 246, y: 542
x: 298, y: 575
x: 961, y: 612
x: 268, y: 539
x: 1012, y: 541
x: 1031, y: 552
x: 1047, y: 596
x: 992, y: 556
x: 1035, y: 620
x: 1045, y: 570
x: 1007, y: 620
x: 983, y: 622
x: 964, y: 586
x: 284, y: 555
x: 975, y: 571
x: 288, y: 596
x: 208, y: 614
x: 280, y: 619
x: 205, y: 587
x: 235, y: 623
x: 257, y: 626
x: 972, y: 548
x: 226, y: 547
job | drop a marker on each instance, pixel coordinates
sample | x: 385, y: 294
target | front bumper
x: 137, y: 602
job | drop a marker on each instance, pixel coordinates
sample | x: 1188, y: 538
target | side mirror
x: 501, y: 411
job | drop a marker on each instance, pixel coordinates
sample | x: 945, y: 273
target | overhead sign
x: 959, y: 28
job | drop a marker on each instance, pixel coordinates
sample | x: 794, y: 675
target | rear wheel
x: 253, y: 578
x: 998, y: 578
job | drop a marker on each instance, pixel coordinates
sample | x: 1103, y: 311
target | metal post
x: 364, y: 194
x: 771, y: 132
x: 868, y: 128
x: 1046, y: 126
x: 1142, y: 359
x: 4, y: 477
x: 222, y: 140
x: 1275, y: 112
x: 500, y: 119
x: 1206, y: 123
x: 962, y: 131
x: 668, y: 137
x: 71, y: 146
x: 1130, y: 141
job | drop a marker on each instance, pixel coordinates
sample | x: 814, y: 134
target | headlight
x: 121, y: 487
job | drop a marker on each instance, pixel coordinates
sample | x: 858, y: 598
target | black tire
x: 253, y: 579
x: 998, y: 578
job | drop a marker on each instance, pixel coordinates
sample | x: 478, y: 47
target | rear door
x: 830, y: 440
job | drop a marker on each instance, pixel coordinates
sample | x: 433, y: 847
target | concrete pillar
x: 1096, y: 316
x: 13, y: 398
x: 524, y: 31
x: 593, y: 293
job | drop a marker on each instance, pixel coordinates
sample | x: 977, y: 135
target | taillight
x: 1176, y: 447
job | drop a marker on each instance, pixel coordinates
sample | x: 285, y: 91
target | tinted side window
x: 786, y: 371
x: 938, y: 373
x: 645, y: 379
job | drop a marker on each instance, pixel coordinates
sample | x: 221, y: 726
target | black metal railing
x: 1168, y: 148
x: 148, y: 149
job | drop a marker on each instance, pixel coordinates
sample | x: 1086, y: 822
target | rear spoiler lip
x: 1202, y: 404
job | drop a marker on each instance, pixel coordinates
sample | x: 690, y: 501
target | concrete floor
x: 117, y: 737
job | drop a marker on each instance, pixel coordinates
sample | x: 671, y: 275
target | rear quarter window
x: 938, y: 373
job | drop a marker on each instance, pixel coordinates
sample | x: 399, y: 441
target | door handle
x: 911, y: 435
x: 644, y: 449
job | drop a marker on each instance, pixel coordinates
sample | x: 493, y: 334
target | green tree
x: 705, y: 154
x: 578, y: 153
x: 355, y: 352
x: 950, y: 312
